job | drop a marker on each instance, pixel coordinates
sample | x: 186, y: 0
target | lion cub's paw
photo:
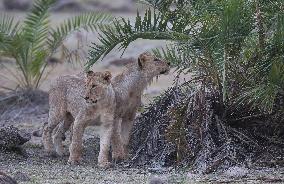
x: 74, y: 162
x: 104, y: 165
x: 119, y: 157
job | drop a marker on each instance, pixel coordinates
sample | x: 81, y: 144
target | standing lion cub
x: 89, y: 101
x: 128, y: 87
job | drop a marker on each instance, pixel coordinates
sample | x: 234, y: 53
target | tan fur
x: 87, y: 101
x: 128, y: 87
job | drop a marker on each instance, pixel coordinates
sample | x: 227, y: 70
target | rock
x: 236, y: 171
x: 11, y: 138
x: 38, y: 132
x: 157, y: 180
x: 5, y: 179
x: 17, y: 4
x: 52, y: 61
x: 22, y: 177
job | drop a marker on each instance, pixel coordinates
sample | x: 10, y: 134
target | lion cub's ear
x: 90, y: 73
x: 142, y: 59
x: 107, y: 76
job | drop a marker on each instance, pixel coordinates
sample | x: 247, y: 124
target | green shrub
x: 30, y: 43
x: 233, y: 47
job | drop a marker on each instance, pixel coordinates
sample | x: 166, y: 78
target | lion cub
x: 83, y: 101
x: 128, y: 87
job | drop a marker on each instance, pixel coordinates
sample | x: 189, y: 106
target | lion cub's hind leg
x: 60, y: 134
x: 55, y: 117
x: 116, y: 142
x: 126, y: 128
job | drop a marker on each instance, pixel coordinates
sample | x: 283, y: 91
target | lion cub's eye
x: 93, y: 86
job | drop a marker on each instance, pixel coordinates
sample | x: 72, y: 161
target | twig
x: 248, y: 117
x: 246, y: 137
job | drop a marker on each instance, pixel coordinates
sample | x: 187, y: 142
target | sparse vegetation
x: 32, y: 42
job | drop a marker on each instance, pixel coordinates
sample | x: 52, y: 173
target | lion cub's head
x: 98, y: 87
x: 151, y: 65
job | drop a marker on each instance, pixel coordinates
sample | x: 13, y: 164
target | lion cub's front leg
x: 105, y: 140
x: 76, y: 146
x: 118, y: 152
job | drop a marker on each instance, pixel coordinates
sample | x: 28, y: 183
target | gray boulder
x: 157, y: 180
x: 11, y: 138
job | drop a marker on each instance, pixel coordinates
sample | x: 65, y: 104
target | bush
x: 33, y: 41
x: 185, y: 127
x: 233, y: 47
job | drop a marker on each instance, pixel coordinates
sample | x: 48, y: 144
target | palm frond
x: 31, y: 40
x: 278, y: 37
x: 8, y: 26
x: 122, y: 33
x: 261, y: 97
x: 8, y: 29
x: 34, y: 42
x: 170, y: 54
x: 36, y: 24
x: 88, y: 21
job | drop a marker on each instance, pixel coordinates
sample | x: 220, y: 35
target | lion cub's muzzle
x: 90, y: 101
x: 166, y: 70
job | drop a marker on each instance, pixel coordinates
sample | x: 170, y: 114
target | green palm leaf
x: 7, y: 25
x: 36, y: 24
x: 8, y: 29
x: 122, y: 33
x: 34, y: 42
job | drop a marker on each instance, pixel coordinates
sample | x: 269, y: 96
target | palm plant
x: 33, y: 41
x: 232, y: 47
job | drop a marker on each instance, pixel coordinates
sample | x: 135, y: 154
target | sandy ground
x: 39, y: 169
